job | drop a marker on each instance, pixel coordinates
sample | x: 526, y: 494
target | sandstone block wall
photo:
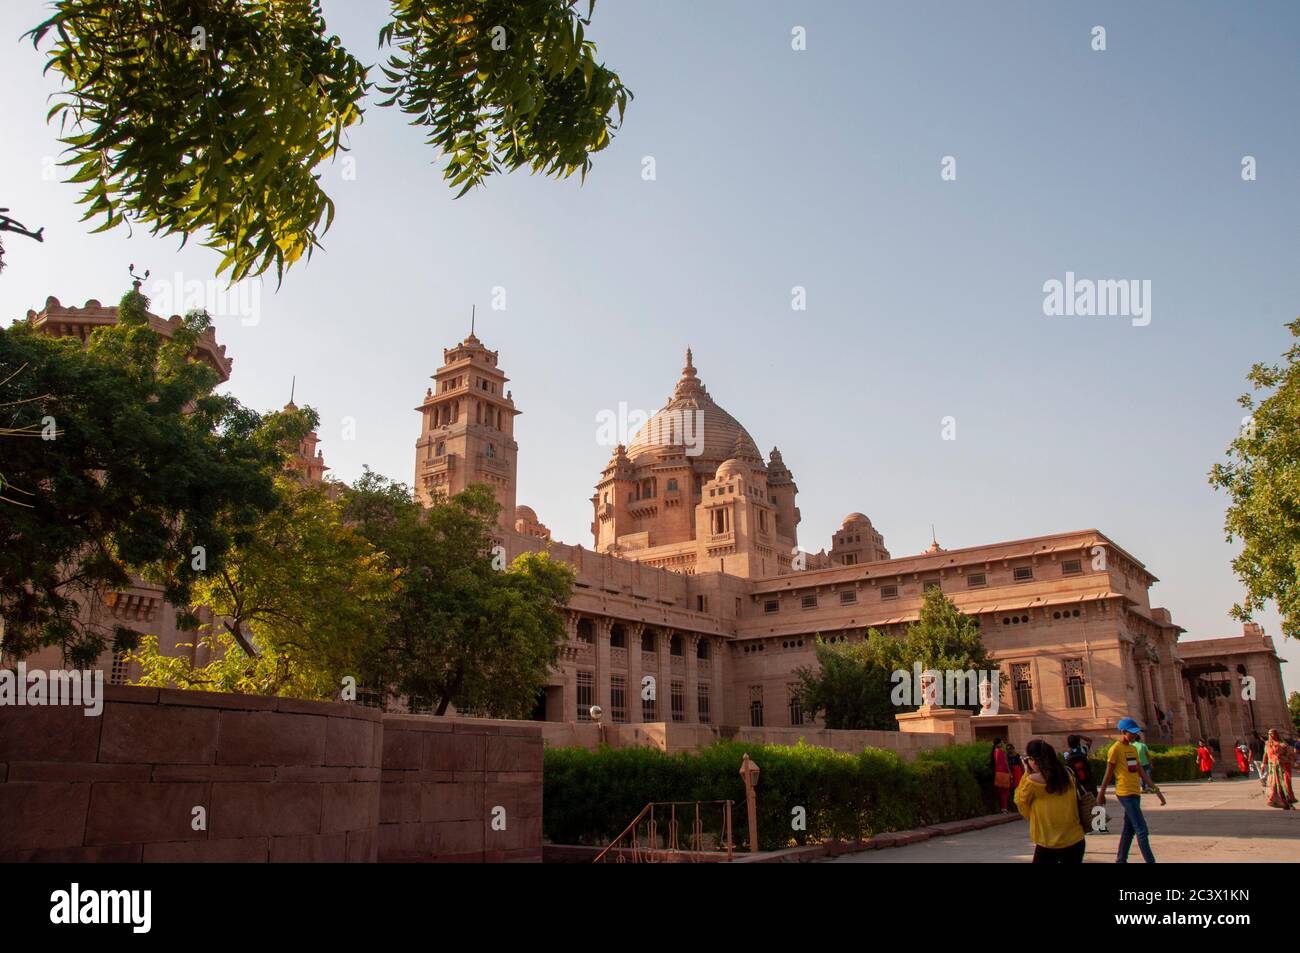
x: 279, y: 779
x: 460, y: 790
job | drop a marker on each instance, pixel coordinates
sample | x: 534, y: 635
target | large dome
x: 675, y: 423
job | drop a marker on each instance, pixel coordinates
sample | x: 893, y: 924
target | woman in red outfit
x: 1241, y: 751
x: 1001, y: 775
x: 1017, y: 765
x: 1204, y: 760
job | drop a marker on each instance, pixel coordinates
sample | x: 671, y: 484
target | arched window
x: 648, y: 641
x: 672, y: 485
x: 586, y: 631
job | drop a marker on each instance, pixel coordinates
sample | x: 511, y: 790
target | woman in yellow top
x: 1046, y: 797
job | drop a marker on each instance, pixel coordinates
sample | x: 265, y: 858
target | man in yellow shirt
x: 1125, y: 766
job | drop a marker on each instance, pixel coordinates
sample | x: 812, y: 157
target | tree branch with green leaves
x: 210, y: 118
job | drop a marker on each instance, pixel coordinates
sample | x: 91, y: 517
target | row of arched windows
x: 649, y: 639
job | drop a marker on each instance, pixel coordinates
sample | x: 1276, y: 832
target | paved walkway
x: 1221, y: 822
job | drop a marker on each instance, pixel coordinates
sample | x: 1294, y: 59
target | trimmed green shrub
x: 1168, y: 762
x: 972, y: 760
x: 590, y: 797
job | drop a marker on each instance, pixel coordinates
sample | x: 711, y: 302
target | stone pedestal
x: 938, y: 721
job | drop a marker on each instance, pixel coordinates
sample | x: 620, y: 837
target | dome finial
x: 689, y: 385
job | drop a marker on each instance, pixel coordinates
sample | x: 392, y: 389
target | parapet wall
x: 674, y: 737
x: 164, y: 775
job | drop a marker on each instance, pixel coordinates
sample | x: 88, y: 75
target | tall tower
x: 308, y: 461
x: 467, y: 429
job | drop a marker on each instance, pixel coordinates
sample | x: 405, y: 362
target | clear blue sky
x: 817, y: 168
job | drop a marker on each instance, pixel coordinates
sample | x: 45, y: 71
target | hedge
x: 1168, y: 762
x: 591, y: 796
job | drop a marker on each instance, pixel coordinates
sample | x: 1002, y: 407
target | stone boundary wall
x: 460, y: 789
x: 674, y: 737
x: 280, y: 779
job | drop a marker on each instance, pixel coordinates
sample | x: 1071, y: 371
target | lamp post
x: 749, y: 772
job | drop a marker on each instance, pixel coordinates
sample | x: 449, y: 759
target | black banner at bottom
x: 303, y: 902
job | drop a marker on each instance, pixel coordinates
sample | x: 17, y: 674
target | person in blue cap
x: 1125, y: 766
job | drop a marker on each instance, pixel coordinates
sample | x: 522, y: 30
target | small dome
x: 732, y: 467
x: 853, y: 518
x: 525, y: 513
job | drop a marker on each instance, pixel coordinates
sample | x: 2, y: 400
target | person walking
x: 1205, y: 760
x: 1257, y: 755
x: 1001, y: 775
x: 1046, y: 797
x: 1123, y: 765
x: 1144, y: 757
x: 1278, y: 757
x: 1076, y: 761
x: 1243, y: 757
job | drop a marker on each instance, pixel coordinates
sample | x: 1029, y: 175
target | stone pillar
x: 634, y: 672
x: 691, y: 646
x: 1150, y: 693
x: 664, y: 695
x: 569, y: 693
x: 719, y: 686
x: 603, y: 671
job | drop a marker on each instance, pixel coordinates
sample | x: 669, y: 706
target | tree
x: 945, y: 640
x: 850, y: 684
x: 297, y: 605
x: 1293, y: 703
x: 1262, y: 479
x: 465, y: 629
x: 853, y: 683
x: 119, y: 458
x: 212, y: 116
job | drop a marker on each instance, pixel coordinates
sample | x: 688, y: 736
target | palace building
x: 695, y: 579
x: 695, y: 582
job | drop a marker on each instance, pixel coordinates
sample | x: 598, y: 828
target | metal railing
x: 654, y: 836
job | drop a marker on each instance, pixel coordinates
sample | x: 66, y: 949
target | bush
x: 1168, y: 762
x: 973, y: 760
x: 590, y: 797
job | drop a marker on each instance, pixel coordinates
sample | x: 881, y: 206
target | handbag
x: 1002, y: 779
x: 1085, y: 802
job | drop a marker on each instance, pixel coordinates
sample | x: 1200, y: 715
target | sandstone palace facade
x: 695, y: 577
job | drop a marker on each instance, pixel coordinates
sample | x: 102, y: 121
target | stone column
x: 720, y: 688
x: 664, y: 693
x: 634, y: 672
x: 1149, y: 714
x: 691, y: 643
x: 603, y: 671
